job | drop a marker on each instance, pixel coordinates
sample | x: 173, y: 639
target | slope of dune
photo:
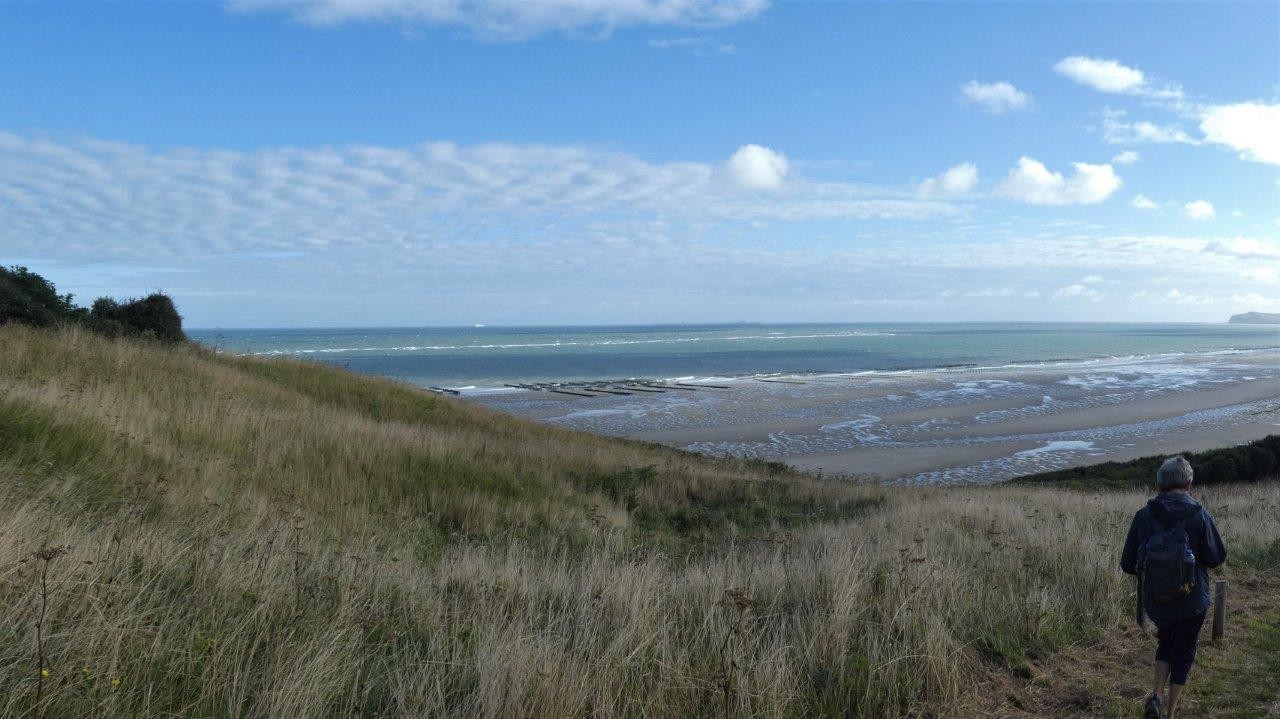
x: 186, y: 533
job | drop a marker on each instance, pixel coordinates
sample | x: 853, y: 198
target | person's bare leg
x: 1175, y: 693
x: 1162, y: 676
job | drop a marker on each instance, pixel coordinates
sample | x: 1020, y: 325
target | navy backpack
x: 1167, y: 564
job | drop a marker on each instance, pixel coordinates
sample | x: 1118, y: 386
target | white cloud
x: 1173, y: 295
x: 758, y: 168
x: 1032, y: 295
x: 1113, y: 77
x: 1255, y: 300
x: 1119, y: 132
x: 1090, y: 280
x: 1198, y: 210
x: 1251, y: 128
x: 1142, y: 202
x: 699, y: 45
x: 1128, y: 157
x: 1078, y: 291
x: 956, y: 180
x: 1030, y: 181
x: 996, y: 97
x: 1237, y: 301
x: 1104, y: 75
x: 514, y: 19
x: 1176, y: 295
x: 991, y: 292
x: 1245, y: 248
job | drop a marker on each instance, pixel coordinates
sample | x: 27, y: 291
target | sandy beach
x: 947, y: 426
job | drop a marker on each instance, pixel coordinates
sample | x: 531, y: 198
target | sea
x: 486, y: 359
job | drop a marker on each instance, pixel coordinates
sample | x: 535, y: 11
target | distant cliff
x: 1255, y: 318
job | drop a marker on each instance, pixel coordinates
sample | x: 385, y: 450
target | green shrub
x: 152, y: 316
x: 29, y: 299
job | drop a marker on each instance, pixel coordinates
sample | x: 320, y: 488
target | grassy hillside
x: 194, y: 534
x: 118, y: 418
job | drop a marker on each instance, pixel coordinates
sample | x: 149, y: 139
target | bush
x: 152, y: 316
x: 29, y: 299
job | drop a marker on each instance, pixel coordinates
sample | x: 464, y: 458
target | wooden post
x: 1219, y: 608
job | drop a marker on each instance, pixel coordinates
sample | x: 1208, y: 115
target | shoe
x: 1152, y: 709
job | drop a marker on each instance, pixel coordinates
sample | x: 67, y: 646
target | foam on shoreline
x: 977, y: 424
x: 1083, y: 363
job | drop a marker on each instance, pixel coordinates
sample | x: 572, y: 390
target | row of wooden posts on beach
x: 596, y: 389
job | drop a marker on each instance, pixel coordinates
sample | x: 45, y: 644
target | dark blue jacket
x: 1166, y: 509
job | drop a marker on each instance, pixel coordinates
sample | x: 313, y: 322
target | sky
x: 311, y: 163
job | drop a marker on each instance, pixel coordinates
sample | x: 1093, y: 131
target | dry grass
x: 353, y: 450
x: 248, y: 538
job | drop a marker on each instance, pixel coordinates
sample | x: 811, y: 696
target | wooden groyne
x: 667, y: 386
x: 569, y: 391
x: 616, y: 387
x: 558, y: 389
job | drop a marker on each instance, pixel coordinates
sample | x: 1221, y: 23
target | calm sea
x: 478, y: 358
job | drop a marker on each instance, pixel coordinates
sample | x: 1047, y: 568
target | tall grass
x: 249, y: 539
x: 115, y: 414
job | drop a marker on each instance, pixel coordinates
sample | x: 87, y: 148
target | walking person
x: 1172, y: 543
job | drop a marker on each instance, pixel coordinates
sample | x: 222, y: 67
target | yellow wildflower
x: 44, y: 672
x: 115, y: 681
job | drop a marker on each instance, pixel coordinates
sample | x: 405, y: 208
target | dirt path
x: 1240, y: 679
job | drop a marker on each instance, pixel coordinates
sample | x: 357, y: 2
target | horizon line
x: 714, y: 324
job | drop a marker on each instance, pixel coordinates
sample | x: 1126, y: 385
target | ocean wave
x: 1139, y: 364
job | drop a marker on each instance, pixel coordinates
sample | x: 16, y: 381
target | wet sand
x: 950, y: 426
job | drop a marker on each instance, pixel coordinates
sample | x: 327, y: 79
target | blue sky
x: 281, y: 163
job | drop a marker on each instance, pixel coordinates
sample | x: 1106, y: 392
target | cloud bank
x: 511, y: 20
x: 367, y: 235
x: 96, y: 198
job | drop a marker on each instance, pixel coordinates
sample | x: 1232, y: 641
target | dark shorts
x: 1178, y: 646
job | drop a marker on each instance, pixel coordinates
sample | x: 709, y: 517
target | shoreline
x: 949, y: 425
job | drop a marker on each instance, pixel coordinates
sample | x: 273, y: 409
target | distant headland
x: 1255, y: 318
